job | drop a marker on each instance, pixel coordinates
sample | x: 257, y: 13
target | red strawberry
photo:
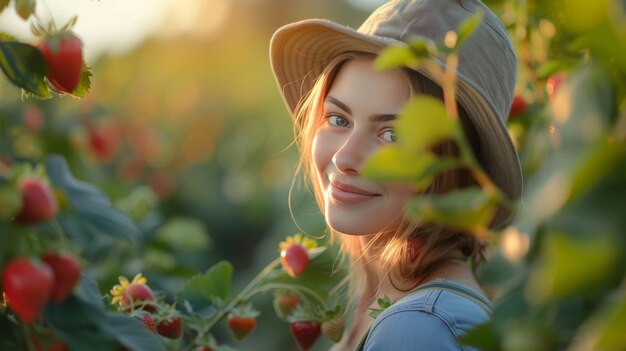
x: 63, y: 54
x: 553, y: 82
x: 170, y: 328
x: 295, y: 259
x: 66, y: 274
x: 135, y: 294
x: 241, y: 326
x: 284, y: 304
x: 103, y: 142
x: 148, y: 321
x: 27, y: 285
x: 57, y: 345
x: 333, y: 328
x: 38, y: 202
x: 32, y: 118
x: 305, y: 333
x: 203, y: 348
x: 519, y: 106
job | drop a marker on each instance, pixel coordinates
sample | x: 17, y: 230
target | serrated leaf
x: 84, y: 85
x: 25, y: 8
x: 466, y: 209
x: 572, y: 266
x: 424, y: 122
x: 25, y: 67
x: 468, y: 26
x: 89, y: 204
x: 204, y: 290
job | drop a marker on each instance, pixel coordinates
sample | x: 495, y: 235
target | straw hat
x: 486, y: 73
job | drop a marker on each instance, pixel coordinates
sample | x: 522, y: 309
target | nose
x: 351, y: 154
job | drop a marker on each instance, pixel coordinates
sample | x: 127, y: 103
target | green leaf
x: 3, y: 5
x: 610, y: 326
x: 25, y: 67
x: 205, y: 289
x: 25, y: 8
x: 572, y: 266
x: 468, y: 26
x: 90, y: 206
x: 391, y: 164
x: 396, y: 56
x: 84, y: 84
x: 465, y: 209
x: 482, y: 337
x: 424, y: 122
x: 9, y: 337
x: 6, y: 36
x: 184, y: 234
x: 131, y: 333
x: 595, y: 164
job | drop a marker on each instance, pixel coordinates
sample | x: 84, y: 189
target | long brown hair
x: 416, y: 249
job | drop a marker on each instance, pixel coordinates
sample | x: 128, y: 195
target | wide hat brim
x: 300, y: 51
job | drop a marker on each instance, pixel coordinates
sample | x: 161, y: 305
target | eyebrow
x: 383, y: 117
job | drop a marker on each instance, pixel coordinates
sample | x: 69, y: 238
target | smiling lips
x: 349, y: 194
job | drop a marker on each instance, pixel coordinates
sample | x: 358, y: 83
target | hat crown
x: 492, y: 74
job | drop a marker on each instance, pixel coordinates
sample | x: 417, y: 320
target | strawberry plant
x: 27, y: 286
x: 66, y: 269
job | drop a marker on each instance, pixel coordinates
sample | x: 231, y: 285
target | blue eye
x: 389, y: 135
x: 337, y: 120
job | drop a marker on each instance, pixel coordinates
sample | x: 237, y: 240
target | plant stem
x: 272, y: 286
x: 241, y: 296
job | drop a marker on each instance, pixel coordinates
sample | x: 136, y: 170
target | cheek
x: 322, y: 154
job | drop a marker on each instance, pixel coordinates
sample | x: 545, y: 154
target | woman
x: 344, y: 109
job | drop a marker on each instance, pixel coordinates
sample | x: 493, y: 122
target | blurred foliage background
x: 185, y: 129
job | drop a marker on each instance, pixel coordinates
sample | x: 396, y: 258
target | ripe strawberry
x: 333, y: 328
x: 519, y: 106
x: 38, y: 202
x: 241, y: 326
x: 148, y: 321
x: 294, y: 259
x: 63, y: 54
x: 203, y: 348
x: 103, y: 142
x: 66, y: 274
x: 284, y: 304
x: 305, y: 333
x: 170, y: 328
x: 32, y: 118
x: 136, y: 295
x: 27, y: 285
x: 57, y: 345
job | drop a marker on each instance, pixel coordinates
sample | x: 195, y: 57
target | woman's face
x: 357, y: 119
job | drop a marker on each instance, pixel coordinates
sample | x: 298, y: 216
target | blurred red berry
x: 39, y: 203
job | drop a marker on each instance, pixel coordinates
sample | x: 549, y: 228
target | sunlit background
x: 185, y: 129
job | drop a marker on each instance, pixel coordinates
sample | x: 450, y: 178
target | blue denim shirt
x: 429, y: 319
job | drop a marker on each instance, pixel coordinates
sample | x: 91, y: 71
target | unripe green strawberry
x: 333, y: 328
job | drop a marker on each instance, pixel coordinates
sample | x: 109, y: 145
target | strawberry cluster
x: 138, y: 300
x: 29, y: 284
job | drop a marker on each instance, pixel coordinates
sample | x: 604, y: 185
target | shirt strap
x: 440, y: 284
